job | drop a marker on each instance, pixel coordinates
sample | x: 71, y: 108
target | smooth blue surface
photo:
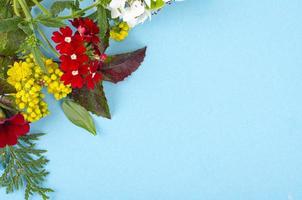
x: 214, y: 113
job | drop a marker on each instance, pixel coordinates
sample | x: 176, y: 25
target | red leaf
x: 122, y: 65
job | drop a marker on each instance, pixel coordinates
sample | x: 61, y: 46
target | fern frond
x: 24, y: 165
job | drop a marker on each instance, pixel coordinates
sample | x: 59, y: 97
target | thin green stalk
x: 41, y: 7
x: 35, y: 50
x: 7, y: 103
x: 78, y: 13
x: 47, y: 41
x: 7, y: 108
x: 15, y: 6
x: 25, y: 9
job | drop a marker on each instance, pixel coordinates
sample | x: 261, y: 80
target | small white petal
x: 137, y: 8
x: 74, y: 73
x: 115, y: 13
x: 73, y: 57
x: 67, y: 39
x: 115, y: 4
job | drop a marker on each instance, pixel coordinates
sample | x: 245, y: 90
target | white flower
x: 131, y: 11
x: 139, y: 19
x: 116, y: 6
x: 117, y: 3
x: 135, y: 14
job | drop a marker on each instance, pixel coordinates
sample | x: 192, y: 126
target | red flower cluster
x: 81, y: 60
x: 11, y: 129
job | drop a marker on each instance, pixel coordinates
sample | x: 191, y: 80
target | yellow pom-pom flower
x: 120, y: 31
x: 28, y: 79
x: 52, y: 81
x: 18, y: 72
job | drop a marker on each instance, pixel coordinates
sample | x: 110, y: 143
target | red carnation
x: 11, y: 129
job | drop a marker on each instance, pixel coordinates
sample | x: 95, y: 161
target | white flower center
x: 67, y: 39
x: 73, y: 57
x: 97, y: 57
x: 93, y: 75
x: 74, y: 73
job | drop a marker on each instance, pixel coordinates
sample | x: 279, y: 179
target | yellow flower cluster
x: 28, y: 79
x: 120, y: 31
x: 52, y: 81
x: 29, y: 96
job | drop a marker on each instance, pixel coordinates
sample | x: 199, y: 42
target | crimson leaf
x: 93, y: 100
x: 122, y: 65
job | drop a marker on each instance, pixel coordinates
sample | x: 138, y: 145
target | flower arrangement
x: 73, y: 74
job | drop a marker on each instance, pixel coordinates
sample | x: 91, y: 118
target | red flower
x: 11, y: 129
x: 94, y: 76
x: 74, y: 77
x: 81, y: 57
x: 87, y: 28
x: 74, y: 58
x: 65, y: 39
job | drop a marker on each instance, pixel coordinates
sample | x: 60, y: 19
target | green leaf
x: 102, y: 21
x: 157, y: 4
x: 6, y: 88
x: 5, y: 61
x: 10, y: 24
x: 78, y: 115
x: 38, y: 57
x: 8, y: 103
x: 50, y: 21
x: 24, y: 26
x: 11, y: 41
x: 103, y: 24
x: 30, y: 3
x: 104, y: 2
x: 76, y: 6
x: 59, y: 6
x: 6, y: 9
x: 93, y: 100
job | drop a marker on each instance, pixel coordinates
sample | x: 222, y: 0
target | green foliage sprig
x: 24, y: 166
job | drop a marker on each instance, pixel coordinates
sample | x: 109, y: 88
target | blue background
x: 214, y: 112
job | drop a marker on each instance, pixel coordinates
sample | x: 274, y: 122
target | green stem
x: 47, y: 41
x: 35, y: 50
x: 41, y: 7
x: 27, y: 13
x: 15, y: 6
x: 13, y: 155
x: 7, y: 103
x: 78, y: 13
x: 25, y: 9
